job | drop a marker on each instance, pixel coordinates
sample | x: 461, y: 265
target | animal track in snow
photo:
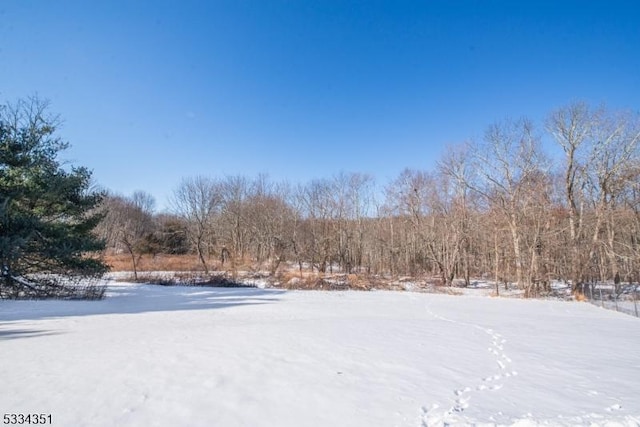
x: 492, y: 378
x: 464, y: 390
x: 462, y: 403
x: 435, y: 416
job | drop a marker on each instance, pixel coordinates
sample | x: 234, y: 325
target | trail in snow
x: 434, y: 415
x: 452, y: 415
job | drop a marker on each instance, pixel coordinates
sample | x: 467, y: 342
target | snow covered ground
x: 179, y: 356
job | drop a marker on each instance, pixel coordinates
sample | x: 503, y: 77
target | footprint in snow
x: 616, y: 407
x: 431, y: 416
x: 492, y: 378
x: 462, y: 403
x: 463, y: 390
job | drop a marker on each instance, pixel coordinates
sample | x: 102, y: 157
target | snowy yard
x: 177, y: 356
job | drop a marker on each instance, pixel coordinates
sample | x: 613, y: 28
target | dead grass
x: 308, y: 280
x: 186, y: 269
x: 162, y: 262
x: 580, y: 297
x: 296, y: 280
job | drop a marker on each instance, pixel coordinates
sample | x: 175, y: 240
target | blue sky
x: 151, y: 92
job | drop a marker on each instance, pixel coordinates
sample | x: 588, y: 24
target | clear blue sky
x: 154, y: 91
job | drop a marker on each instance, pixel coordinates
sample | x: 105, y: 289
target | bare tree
x: 505, y: 165
x: 615, y: 153
x: 198, y: 200
x: 451, y: 205
x: 352, y: 201
x: 407, y: 199
x: 235, y: 192
x: 128, y: 223
x: 317, y: 204
x: 269, y: 221
x: 599, y: 148
x: 361, y: 200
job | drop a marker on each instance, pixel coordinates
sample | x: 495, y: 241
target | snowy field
x: 158, y: 356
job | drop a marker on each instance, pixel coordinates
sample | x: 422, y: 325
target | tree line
x: 500, y: 208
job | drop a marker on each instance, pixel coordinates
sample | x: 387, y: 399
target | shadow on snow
x: 126, y: 298
x: 12, y: 334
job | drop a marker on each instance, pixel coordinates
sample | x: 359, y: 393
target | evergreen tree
x: 46, y: 210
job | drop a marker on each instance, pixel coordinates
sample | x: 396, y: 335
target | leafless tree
x: 600, y: 148
x: 235, y: 192
x: 452, y: 204
x: 128, y: 223
x: 198, y: 201
x: 407, y: 199
x: 269, y: 219
x: 317, y: 204
x: 506, y: 164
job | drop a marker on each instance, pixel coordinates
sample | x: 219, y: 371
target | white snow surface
x: 190, y: 356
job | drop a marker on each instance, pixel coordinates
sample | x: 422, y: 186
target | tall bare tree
x: 505, y: 164
x: 128, y: 223
x: 235, y: 192
x: 198, y: 201
x: 599, y: 148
